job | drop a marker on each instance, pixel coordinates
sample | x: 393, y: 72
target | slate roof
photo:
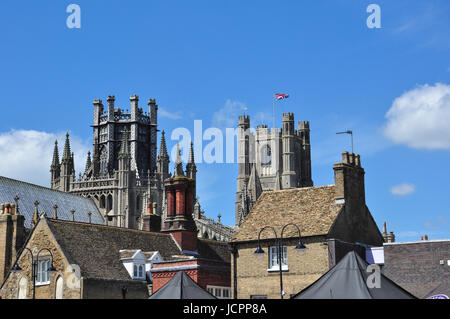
x: 212, y: 249
x: 47, y: 198
x: 312, y: 208
x: 96, y: 248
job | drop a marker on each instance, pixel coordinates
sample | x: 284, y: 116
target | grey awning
x: 181, y: 286
x: 348, y: 280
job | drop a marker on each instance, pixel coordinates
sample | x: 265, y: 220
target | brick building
x: 333, y: 220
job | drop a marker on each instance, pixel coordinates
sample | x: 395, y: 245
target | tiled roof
x: 96, y: 248
x: 128, y: 253
x: 29, y: 193
x: 311, y: 208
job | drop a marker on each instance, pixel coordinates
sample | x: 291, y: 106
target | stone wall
x: 41, y: 238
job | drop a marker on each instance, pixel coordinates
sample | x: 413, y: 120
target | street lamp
x: 300, y: 247
x: 34, y: 265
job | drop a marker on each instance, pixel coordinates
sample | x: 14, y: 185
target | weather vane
x: 351, y: 134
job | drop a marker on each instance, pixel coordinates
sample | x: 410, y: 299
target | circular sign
x: 439, y: 296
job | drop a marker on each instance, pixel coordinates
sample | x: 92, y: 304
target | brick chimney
x: 179, y: 221
x: 12, y: 237
x: 349, y: 180
x: 152, y: 222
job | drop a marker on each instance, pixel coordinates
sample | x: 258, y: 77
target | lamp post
x: 34, y: 265
x: 279, y: 243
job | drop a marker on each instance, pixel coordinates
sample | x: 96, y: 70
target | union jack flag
x: 281, y: 96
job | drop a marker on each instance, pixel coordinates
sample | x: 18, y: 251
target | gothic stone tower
x: 271, y: 160
x: 123, y: 176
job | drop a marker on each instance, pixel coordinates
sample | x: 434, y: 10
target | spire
x: 124, y: 155
x: 67, y: 153
x: 191, y: 154
x: 178, y: 164
x: 191, y: 168
x: 88, y: 162
x: 55, y: 162
x: 124, y: 146
x: 163, y: 148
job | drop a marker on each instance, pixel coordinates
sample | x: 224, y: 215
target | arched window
x: 138, y: 271
x: 141, y: 271
x: 22, y: 288
x: 266, y: 155
x: 102, y: 201
x: 59, y: 288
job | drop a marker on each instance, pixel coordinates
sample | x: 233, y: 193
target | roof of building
x: 96, y: 248
x: 66, y: 202
x: 313, y: 209
x: 212, y: 249
x: 129, y: 253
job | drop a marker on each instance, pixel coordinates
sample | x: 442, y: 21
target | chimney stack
x: 179, y: 221
x: 12, y: 232
x: 151, y: 221
x: 349, y: 179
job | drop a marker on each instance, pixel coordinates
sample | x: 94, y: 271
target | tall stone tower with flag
x: 271, y: 159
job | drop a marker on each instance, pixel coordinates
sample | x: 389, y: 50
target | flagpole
x: 273, y: 98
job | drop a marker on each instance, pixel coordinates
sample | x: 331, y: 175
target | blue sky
x: 207, y: 59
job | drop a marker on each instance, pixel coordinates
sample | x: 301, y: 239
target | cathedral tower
x: 271, y: 159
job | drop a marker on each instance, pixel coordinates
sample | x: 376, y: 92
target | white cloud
x: 440, y: 221
x: 171, y: 115
x: 27, y: 154
x: 228, y: 115
x: 403, y: 189
x: 420, y: 118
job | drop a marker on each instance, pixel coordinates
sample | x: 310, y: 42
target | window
x: 273, y: 259
x: 266, y: 156
x: 42, y: 274
x: 219, y: 292
x: 138, y: 271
